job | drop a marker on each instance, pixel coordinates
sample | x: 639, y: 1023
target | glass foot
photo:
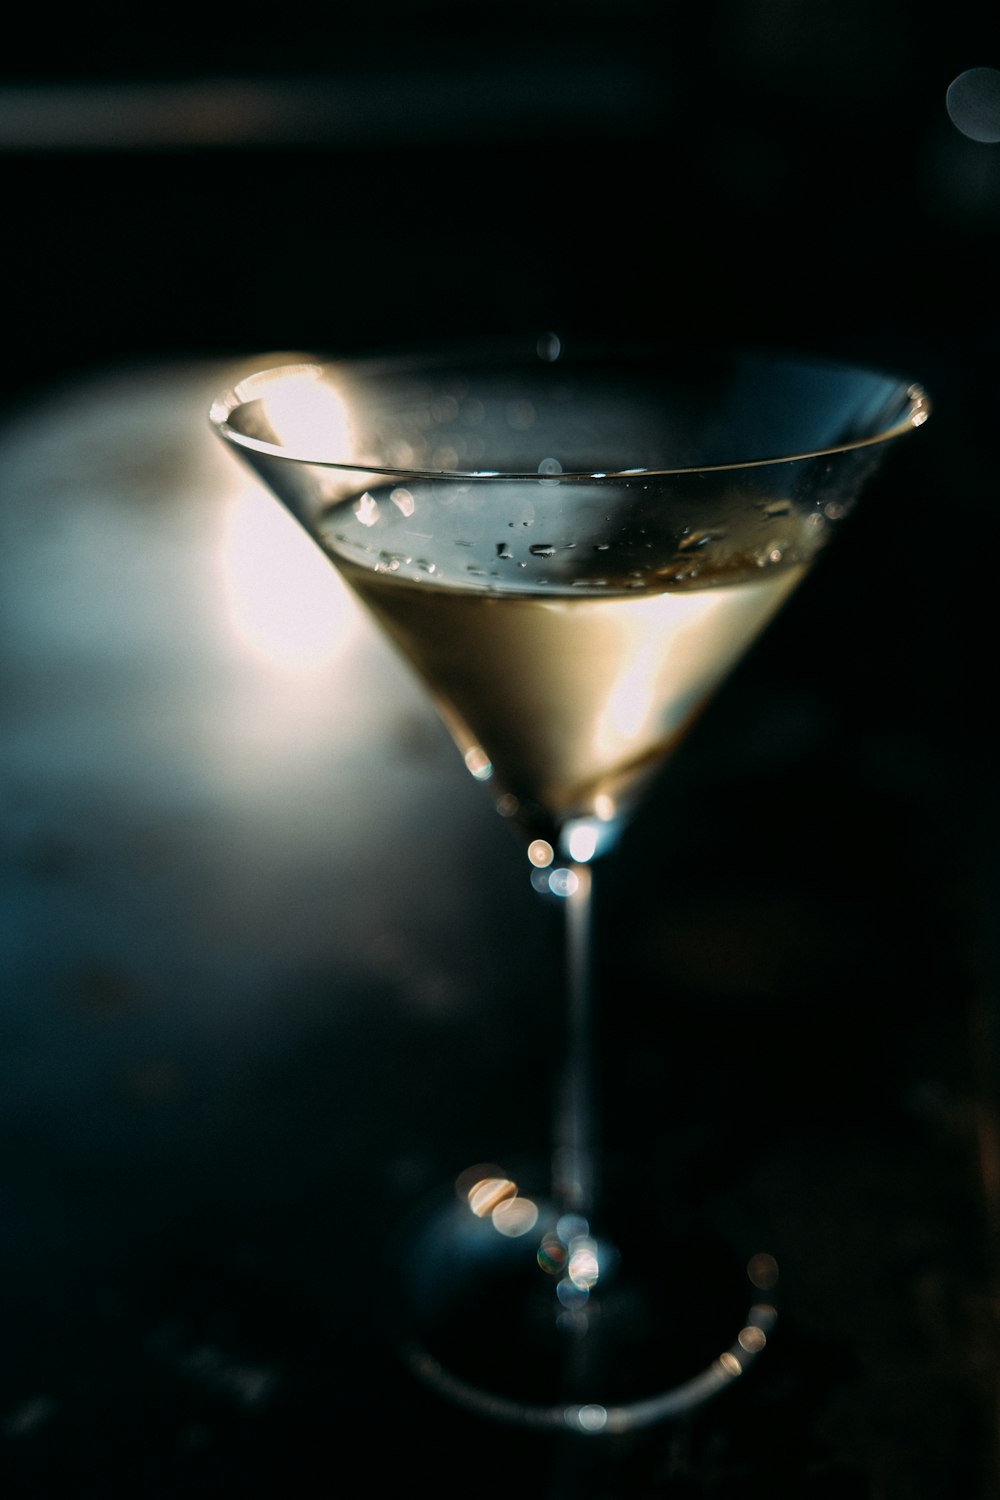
x: 522, y: 1314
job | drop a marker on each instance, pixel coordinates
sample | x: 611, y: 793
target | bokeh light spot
x: 540, y: 853
x: 973, y: 103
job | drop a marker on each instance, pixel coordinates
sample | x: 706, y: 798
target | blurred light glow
x: 572, y: 1297
x: 495, y: 1197
x: 572, y: 1227
x: 478, y: 763
x: 630, y: 709
x: 584, y: 1267
x: 551, y: 1255
x: 540, y: 853
x: 763, y: 1315
x: 591, y: 1418
x: 309, y: 417
x: 752, y: 1339
x: 520, y: 415
x: 515, y: 1216
x: 284, y: 599
x: 762, y: 1269
x: 467, y: 1179
x: 582, y: 842
x: 485, y: 1195
x: 973, y: 104
x: 549, y: 347
x: 563, y: 882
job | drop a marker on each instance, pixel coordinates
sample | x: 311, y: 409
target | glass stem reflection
x: 574, y: 1164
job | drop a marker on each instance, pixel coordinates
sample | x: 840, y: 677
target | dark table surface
x: 272, y: 967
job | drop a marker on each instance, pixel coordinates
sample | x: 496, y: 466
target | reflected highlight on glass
x: 572, y: 549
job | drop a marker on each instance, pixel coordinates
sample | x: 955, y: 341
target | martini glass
x: 572, y: 548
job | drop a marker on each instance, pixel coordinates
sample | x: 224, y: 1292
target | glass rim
x: 915, y: 409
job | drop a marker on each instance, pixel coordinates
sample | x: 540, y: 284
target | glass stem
x: 575, y: 1157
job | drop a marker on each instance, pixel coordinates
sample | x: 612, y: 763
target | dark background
x: 212, y: 1106
x: 768, y: 171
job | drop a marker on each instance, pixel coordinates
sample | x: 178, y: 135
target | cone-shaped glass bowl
x: 572, y: 548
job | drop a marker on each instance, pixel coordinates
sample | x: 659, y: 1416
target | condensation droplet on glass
x: 542, y: 549
x: 425, y: 566
x: 475, y: 570
x: 772, y: 508
x: 602, y: 546
x: 504, y: 551
x: 833, y: 510
x: 696, y: 539
x: 403, y: 500
x: 366, y: 510
x: 549, y: 347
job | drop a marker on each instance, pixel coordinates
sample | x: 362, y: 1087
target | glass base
x: 517, y: 1311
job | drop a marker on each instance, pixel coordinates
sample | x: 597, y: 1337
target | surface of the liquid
x: 567, y: 667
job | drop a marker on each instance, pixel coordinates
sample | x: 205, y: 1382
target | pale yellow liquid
x: 572, y: 700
